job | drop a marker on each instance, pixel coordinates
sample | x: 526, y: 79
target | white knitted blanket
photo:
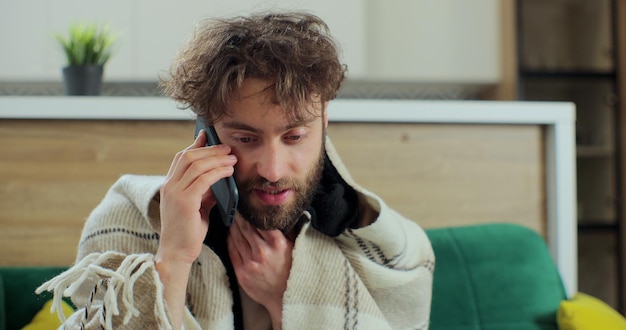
x: 375, y: 277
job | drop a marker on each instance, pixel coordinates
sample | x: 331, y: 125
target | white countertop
x: 162, y: 108
x: 91, y: 107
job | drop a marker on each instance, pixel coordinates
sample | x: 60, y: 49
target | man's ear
x: 325, y: 114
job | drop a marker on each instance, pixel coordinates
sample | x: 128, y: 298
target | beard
x: 281, y: 217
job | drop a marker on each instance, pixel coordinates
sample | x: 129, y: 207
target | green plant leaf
x: 87, y: 44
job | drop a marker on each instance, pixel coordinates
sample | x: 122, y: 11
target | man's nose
x: 272, y: 163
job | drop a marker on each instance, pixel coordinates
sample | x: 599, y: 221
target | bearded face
x: 282, y: 216
x: 279, y: 156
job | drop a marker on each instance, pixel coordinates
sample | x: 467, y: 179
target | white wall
x: 391, y: 40
x: 433, y: 40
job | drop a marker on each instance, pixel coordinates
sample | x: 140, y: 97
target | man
x: 308, y: 247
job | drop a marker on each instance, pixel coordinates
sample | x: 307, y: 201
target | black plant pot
x: 82, y: 79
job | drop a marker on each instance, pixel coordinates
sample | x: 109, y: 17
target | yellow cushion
x: 44, y: 319
x: 586, y: 312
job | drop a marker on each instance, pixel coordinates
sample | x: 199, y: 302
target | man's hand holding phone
x: 186, y: 199
x: 225, y: 190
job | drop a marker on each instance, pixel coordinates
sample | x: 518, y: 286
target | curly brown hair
x: 293, y: 51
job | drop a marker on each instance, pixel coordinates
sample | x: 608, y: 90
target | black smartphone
x: 225, y: 190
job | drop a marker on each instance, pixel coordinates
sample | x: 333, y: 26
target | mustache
x: 260, y: 183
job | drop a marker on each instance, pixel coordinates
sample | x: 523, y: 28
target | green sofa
x: 495, y: 276
x: 18, y: 301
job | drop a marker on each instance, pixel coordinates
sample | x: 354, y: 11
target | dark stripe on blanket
x: 109, y: 231
x: 351, y: 298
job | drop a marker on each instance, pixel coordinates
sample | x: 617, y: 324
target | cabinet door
x: 566, y: 35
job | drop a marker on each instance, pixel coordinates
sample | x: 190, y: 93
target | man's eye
x: 294, y: 137
x: 245, y: 139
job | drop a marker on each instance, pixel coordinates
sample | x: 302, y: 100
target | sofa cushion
x: 46, y: 319
x: 585, y: 312
x: 494, y: 276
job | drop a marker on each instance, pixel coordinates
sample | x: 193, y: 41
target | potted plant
x: 87, y: 48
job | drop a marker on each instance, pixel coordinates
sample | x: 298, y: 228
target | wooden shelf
x: 597, y: 225
x: 594, y: 151
x: 570, y: 74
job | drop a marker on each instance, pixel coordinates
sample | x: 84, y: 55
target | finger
x: 239, y: 240
x: 272, y: 236
x: 251, y: 234
x: 263, y: 236
x: 194, y: 186
x: 200, y: 182
x: 199, y: 141
x: 192, y: 156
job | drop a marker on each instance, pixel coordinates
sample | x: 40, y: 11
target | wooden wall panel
x: 54, y: 172
x: 447, y: 175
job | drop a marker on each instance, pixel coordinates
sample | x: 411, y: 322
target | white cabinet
x: 434, y: 41
x: 395, y: 40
